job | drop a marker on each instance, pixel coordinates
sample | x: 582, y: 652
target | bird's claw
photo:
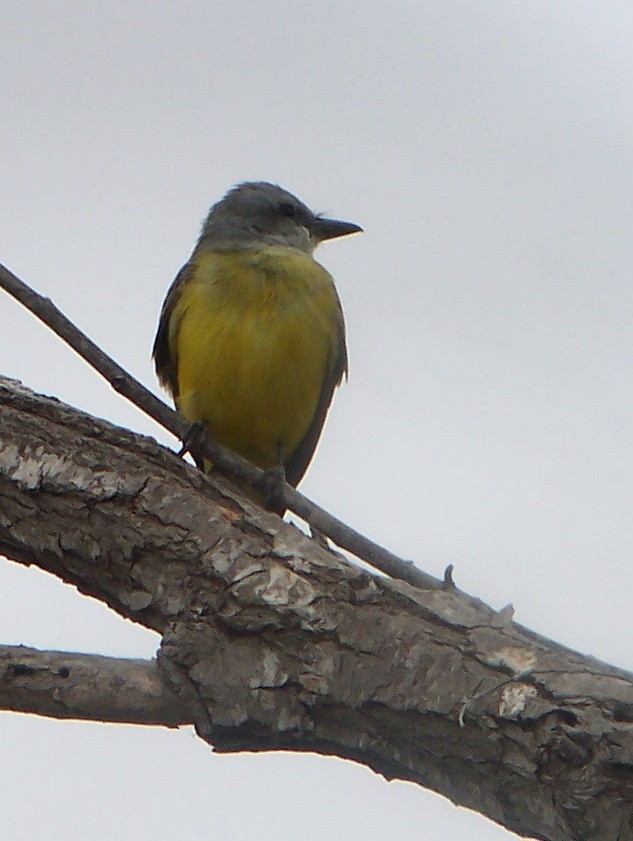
x: 271, y: 486
x: 193, y: 442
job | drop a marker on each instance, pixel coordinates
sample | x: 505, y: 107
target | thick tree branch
x: 270, y: 641
x: 236, y: 466
x: 86, y: 686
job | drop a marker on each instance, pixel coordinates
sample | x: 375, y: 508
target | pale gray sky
x: 487, y: 149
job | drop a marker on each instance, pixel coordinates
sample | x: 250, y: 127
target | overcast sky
x: 487, y: 150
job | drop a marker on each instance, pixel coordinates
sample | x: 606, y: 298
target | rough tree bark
x: 271, y: 641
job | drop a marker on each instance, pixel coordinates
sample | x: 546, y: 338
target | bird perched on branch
x: 251, y: 338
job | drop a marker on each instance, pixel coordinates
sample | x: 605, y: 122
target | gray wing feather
x: 298, y: 462
x: 164, y: 356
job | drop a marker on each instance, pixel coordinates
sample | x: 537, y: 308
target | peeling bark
x: 270, y: 641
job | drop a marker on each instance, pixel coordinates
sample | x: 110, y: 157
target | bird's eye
x: 287, y: 209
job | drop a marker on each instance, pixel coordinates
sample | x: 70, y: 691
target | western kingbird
x: 251, y: 337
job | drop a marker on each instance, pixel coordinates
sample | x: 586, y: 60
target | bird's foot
x: 193, y: 442
x: 271, y: 486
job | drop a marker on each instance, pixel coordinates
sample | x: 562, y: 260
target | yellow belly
x: 254, y: 334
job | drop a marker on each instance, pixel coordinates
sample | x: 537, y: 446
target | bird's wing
x: 164, y: 350
x: 298, y: 462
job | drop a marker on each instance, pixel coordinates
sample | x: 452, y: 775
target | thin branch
x: 122, y: 382
x: 61, y: 684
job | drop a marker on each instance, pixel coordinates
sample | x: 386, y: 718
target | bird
x: 251, y: 337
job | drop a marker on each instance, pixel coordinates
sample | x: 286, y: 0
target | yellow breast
x: 254, y: 335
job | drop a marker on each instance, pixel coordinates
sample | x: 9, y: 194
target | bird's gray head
x: 257, y: 214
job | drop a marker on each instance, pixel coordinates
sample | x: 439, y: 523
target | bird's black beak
x: 323, y: 229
